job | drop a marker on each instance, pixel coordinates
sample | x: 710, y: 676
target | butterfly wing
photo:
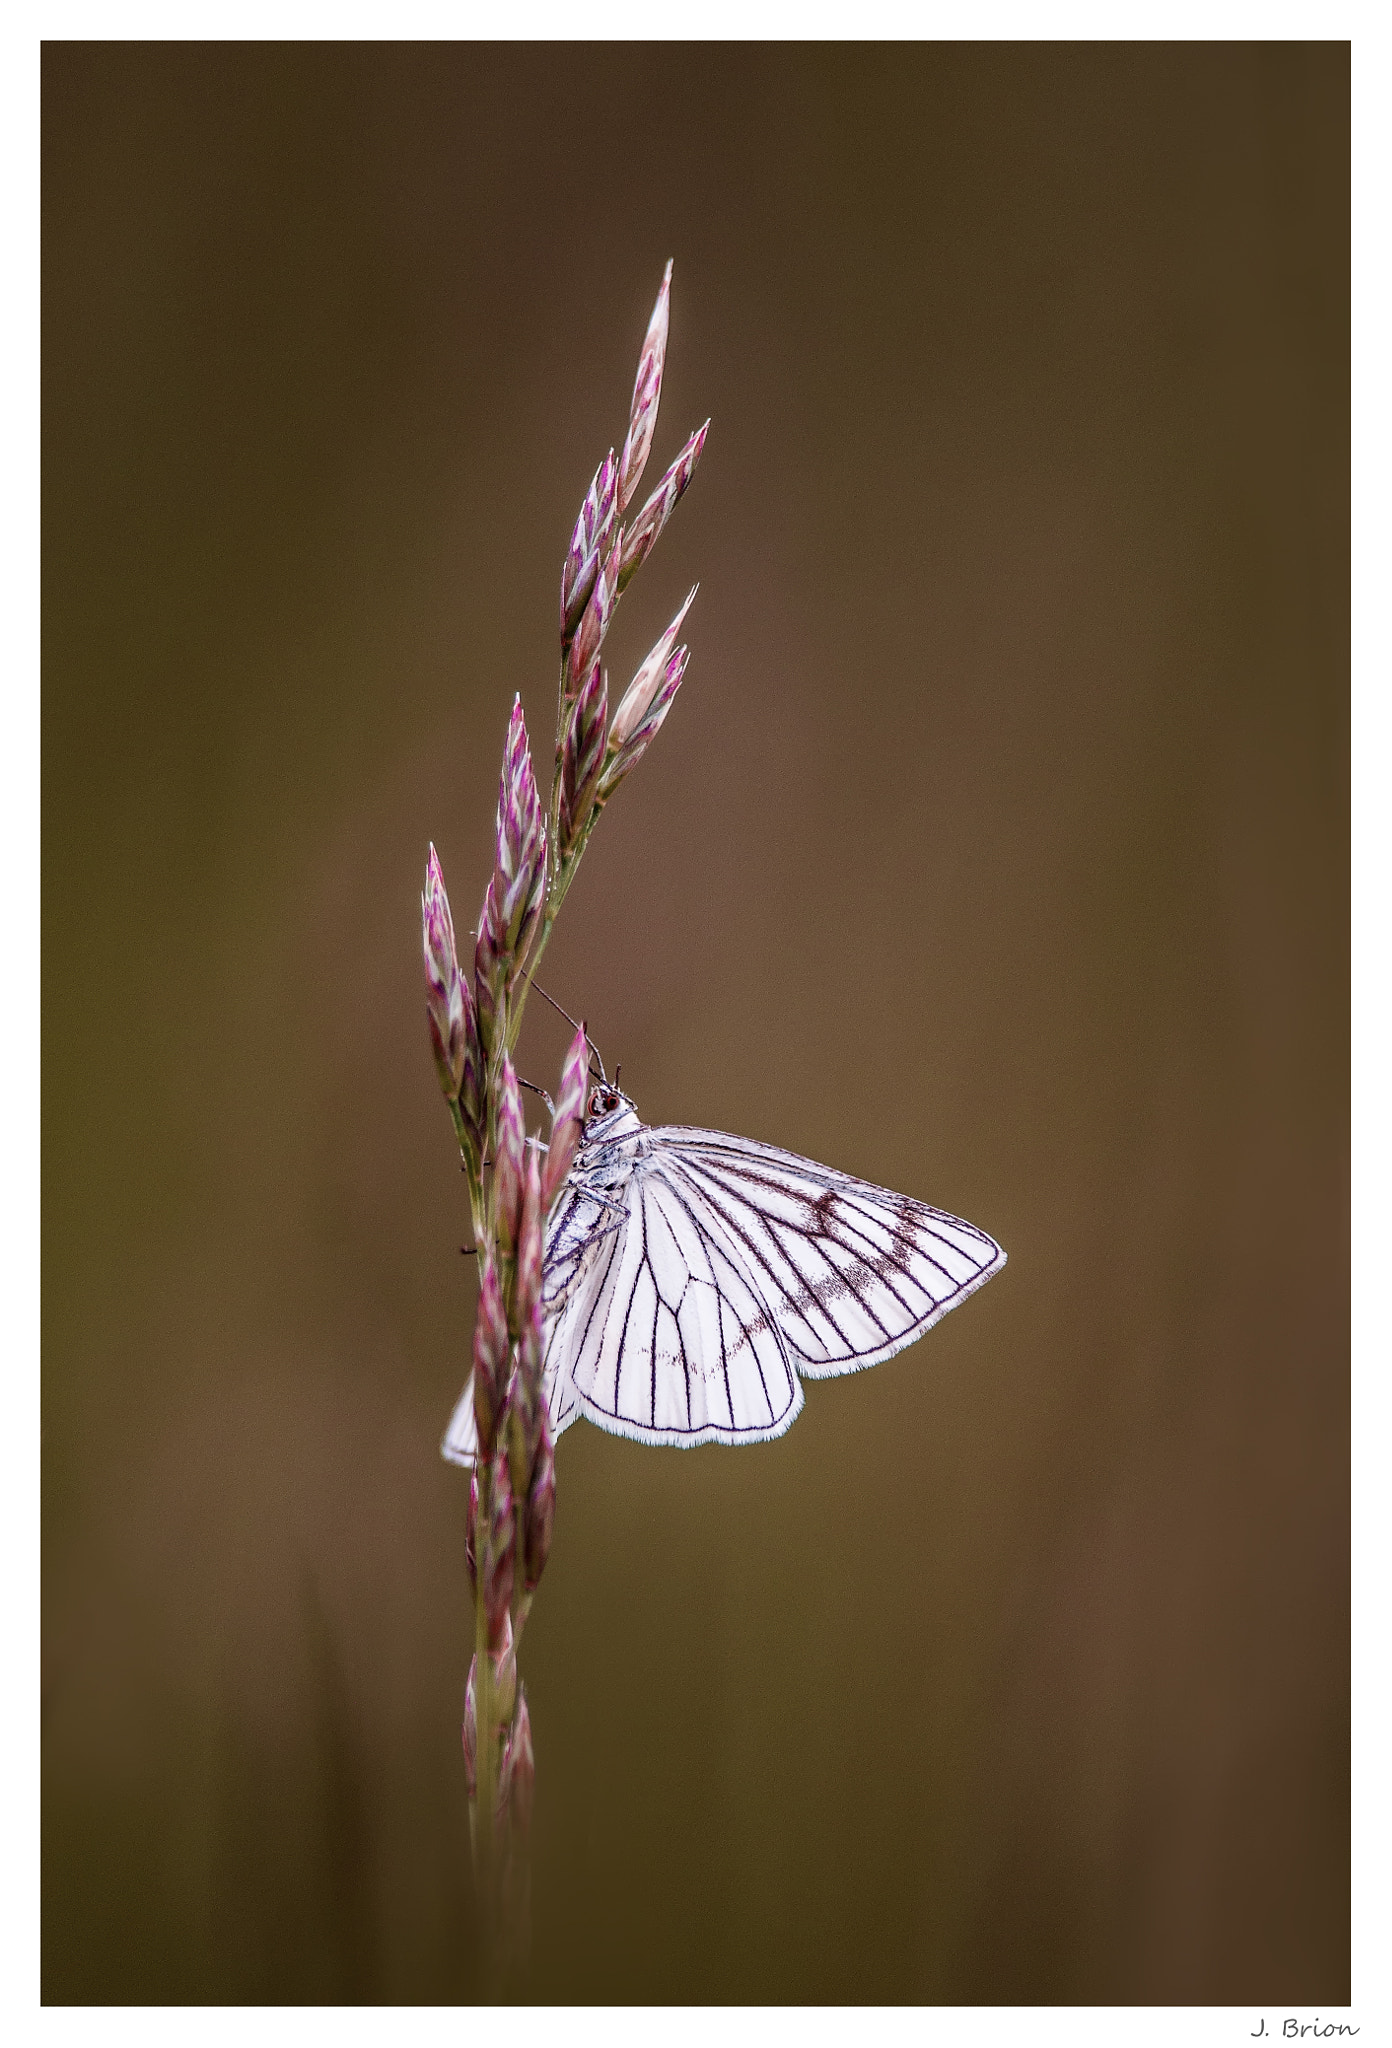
x: 685, y: 1299
x: 852, y: 1272
x: 669, y: 1337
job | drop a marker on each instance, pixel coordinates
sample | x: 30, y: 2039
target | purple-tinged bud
x: 471, y: 1534
x: 441, y: 975
x: 587, y: 545
x: 568, y: 1120
x: 644, y: 733
x: 577, y: 581
x: 582, y: 757
x: 531, y: 1356
x: 526, y: 1404
x: 517, y: 759
x: 490, y: 975
x: 474, y: 1084
x: 638, y: 542
x: 510, y: 1162
x: 599, y: 611
x: 647, y: 389
x: 470, y: 1732
x: 492, y: 1351
x: 498, y: 1558
x: 526, y: 1291
x: 617, y: 765
x: 519, y: 865
x: 539, y: 1514
x: 449, y: 1009
x: 639, y: 696
x: 518, y: 1775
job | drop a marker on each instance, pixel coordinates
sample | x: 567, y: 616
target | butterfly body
x: 692, y: 1280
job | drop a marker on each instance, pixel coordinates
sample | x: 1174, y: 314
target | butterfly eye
x: 597, y: 1102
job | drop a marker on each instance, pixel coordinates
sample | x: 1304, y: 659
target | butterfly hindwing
x: 672, y: 1341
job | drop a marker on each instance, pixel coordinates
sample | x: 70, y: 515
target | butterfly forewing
x: 851, y: 1272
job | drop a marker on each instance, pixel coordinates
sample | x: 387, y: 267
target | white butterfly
x: 692, y: 1281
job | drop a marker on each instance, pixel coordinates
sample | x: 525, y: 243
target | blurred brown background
x: 996, y: 851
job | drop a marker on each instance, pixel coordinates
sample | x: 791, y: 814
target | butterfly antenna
x: 574, y: 1027
x: 557, y: 1008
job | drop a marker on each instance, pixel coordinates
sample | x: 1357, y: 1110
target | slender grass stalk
x: 514, y: 1181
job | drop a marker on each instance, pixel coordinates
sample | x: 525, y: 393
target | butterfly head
x: 605, y: 1098
x: 609, y: 1114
